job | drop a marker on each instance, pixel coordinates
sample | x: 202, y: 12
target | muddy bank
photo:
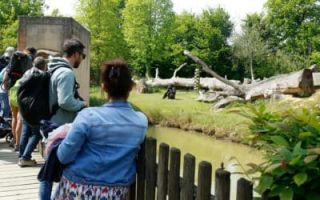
x: 218, y: 133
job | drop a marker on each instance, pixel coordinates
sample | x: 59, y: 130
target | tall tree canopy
x: 249, y: 49
x: 213, y: 30
x: 295, y: 25
x: 183, y: 34
x: 147, y: 27
x: 9, y: 12
x: 103, y: 18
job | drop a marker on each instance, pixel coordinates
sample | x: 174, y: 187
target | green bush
x: 291, y: 142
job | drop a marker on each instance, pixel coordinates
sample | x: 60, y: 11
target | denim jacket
x: 102, y: 144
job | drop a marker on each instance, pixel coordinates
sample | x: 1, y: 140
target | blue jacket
x: 102, y: 144
x: 62, y: 91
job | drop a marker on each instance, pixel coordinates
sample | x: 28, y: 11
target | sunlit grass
x: 187, y: 113
x: 184, y: 112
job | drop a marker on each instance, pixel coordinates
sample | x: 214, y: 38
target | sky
x: 237, y: 9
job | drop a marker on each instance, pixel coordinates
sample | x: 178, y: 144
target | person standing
x: 30, y: 136
x: 16, y: 123
x: 4, y: 99
x: 64, y: 100
x: 100, y: 149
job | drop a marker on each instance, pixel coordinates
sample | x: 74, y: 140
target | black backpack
x: 19, y: 64
x: 33, y: 97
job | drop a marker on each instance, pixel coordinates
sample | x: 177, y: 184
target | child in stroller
x: 5, y: 129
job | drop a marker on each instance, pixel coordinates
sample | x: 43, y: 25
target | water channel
x: 209, y: 149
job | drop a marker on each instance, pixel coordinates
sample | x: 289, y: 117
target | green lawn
x: 187, y: 113
x: 184, y: 112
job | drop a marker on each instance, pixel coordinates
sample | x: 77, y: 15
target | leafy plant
x: 291, y: 142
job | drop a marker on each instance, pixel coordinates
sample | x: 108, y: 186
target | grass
x: 188, y: 114
x: 184, y: 112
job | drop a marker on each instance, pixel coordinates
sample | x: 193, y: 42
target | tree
x: 9, y: 12
x: 55, y: 13
x: 103, y: 18
x: 205, y: 36
x: 213, y: 30
x: 147, y: 27
x: 183, y: 34
x: 249, y: 47
x: 295, y: 25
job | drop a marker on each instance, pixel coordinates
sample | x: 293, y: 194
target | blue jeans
x: 4, y: 105
x: 30, y: 137
x: 45, y: 190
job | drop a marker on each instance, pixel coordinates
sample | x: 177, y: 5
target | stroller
x: 5, y: 129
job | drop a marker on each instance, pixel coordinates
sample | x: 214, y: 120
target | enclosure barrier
x: 161, y: 181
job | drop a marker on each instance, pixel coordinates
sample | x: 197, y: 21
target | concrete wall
x: 49, y: 33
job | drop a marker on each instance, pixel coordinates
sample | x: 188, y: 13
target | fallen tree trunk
x: 300, y: 82
x: 295, y: 83
x: 209, y: 71
x: 292, y: 83
x: 205, y: 83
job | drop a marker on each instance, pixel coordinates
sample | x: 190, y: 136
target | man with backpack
x: 64, y: 100
x: 30, y: 135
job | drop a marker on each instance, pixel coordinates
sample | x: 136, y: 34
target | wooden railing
x: 162, y: 180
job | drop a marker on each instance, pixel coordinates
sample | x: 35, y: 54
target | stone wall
x: 49, y: 33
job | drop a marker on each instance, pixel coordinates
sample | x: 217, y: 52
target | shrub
x: 291, y: 142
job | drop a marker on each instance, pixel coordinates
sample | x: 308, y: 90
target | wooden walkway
x: 15, y: 182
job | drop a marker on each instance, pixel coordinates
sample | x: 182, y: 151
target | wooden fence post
x: 204, y: 181
x: 244, y: 189
x: 187, y: 191
x: 174, y: 174
x: 222, y: 184
x: 151, y: 153
x: 141, y: 163
x: 132, y: 191
x: 162, y: 180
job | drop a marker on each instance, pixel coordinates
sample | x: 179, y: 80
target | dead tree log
x: 299, y: 82
x: 292, y: 83
x: 205, y: 83
x: 209, y: 71
x: 176, y: 70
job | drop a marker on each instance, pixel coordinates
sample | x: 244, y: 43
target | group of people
x: 25, y: 139
x: 99, y: 150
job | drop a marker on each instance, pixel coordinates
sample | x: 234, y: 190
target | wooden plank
x: 151, y: 153
x: 132, y: 192
x: 244, y: 189
x: 174, y: 174
x: 187, y: 188
x: 17, y: 183
x: 162, y: 180
x: 222, y: 184
x: 19, y: 187
x: 30, y: 179
x: 204, y: 181
x: 141, y: 166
